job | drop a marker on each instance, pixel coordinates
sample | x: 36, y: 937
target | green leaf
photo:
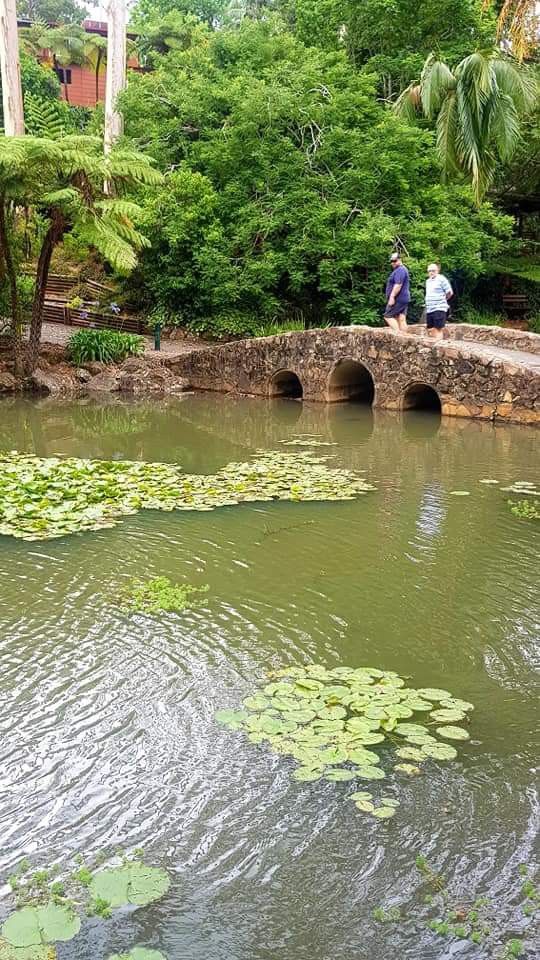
x: 133, y: 883
x: 447, y: 716
x: 139, y: 953
x: 32, y: 926
x: 339, y: 775
x: 369, y: 773
x: 365, y: 806
x: 307, y: 774
x: 439, y: 751
x: 384, y: 813
x: 433, y: 693
x: 42, y: 952
x: 453, y: 733
x: 408, y: 768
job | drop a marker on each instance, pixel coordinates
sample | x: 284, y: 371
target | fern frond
x: 42, y: 117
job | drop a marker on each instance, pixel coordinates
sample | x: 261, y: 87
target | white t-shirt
x: 436, y: 290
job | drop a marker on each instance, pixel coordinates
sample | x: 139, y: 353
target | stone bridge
x: 486, y: 372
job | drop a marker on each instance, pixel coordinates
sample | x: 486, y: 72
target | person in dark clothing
x: 398, y: 296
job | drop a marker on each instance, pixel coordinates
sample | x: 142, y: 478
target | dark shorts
x: 396, y: 310
x: 436, y: 320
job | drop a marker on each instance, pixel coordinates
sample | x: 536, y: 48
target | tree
x: 146, y: 11
x: 116, y: 74
x: 67, y: 45
x: 286, y: 185
x: 95, y: 50
x: 61, y: 181
x: 52, y: 11
x: 519, y: 21
x: 12, y: 101
x: 477, y: 109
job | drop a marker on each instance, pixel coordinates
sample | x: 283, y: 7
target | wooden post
x: 116, y: 69
x: 11, y: 70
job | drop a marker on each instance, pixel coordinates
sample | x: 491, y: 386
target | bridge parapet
x: 464, y: 378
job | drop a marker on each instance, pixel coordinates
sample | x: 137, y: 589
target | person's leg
x: 392, y: 323
x: 402, y: 323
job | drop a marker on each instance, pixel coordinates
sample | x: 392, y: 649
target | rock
x: 149, y: 377
x: 94, y: 367
x: 83, y: 375
x: 8, y: 383
x: 134, y: 363
x: 108, y: 381
x: 53, y: 381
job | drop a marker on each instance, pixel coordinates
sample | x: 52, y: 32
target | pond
x: 108, y: 735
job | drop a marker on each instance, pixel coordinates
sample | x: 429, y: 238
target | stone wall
x: 339, y: 363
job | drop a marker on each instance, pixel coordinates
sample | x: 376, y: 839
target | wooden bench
x: 515, y: 302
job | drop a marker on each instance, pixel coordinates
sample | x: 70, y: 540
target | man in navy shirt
x: 398, y: 296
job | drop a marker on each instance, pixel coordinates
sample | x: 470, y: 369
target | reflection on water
x: 107, y: 735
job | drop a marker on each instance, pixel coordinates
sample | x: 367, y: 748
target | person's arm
x: 449, y: 293
x: 395, y: 290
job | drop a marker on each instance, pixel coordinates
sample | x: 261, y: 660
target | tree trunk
x: 16, y: 323
x: 52, y: 237
x: 11, y: 70
x: 116, y: 69
x: 98, y: 68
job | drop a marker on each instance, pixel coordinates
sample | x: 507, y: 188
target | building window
x: 63, y: 75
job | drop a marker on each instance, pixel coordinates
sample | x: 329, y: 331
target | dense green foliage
x: 107, y: 346
x: 287, y: 185
x: 160, y: 595
x: 52, y: 11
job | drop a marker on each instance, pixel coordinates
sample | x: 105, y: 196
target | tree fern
x: 42, y: 117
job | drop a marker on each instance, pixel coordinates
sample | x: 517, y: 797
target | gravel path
x: 60, y: 333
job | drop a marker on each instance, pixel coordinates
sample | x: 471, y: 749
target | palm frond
x: 447, y: 136
x: 436, y: 82
x: 504, y: 125
x: 517, y: 81
x: 408, y: 103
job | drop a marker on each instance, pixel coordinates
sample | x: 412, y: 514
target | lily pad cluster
x: 49, y: 917
x: 43, y: 498
x: 330, y: 721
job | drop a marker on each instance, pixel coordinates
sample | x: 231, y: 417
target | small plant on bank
x: 160, y: 595
x: 106, y: 346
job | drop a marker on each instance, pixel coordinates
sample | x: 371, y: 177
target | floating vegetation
x: 49, y: 910
x: 525, y: 510
x: 160, y: 595
x: 308, y: 443
x: 139, y: 953
x: 43, y: 498
x: 132, y: 883
x: 478, y: 919
x: 329, y: 721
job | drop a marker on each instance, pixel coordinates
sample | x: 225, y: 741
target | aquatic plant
x: 45, y: 498
x: 326, y: 719
x: 478, y: 919
x: 139, y: 953
x: 45, y: 915
x: 525, y: 510
x: 160, y: 595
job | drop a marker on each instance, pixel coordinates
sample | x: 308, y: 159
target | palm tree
x: 95, y: 50
x: 67, y: 46
x: 63, y: 182
x: 477, y: 110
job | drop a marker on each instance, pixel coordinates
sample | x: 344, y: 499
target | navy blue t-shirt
x: 399, y: 275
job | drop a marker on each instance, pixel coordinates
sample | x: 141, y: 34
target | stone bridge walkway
x: 486, y: 372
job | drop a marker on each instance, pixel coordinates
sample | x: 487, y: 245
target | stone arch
x: 420, y: 396
x: 350, y: 380
x: 286, y: 383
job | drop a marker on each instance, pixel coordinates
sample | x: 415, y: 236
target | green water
x: 107, y: 733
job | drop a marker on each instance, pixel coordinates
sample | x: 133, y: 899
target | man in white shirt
x: 438, y: 293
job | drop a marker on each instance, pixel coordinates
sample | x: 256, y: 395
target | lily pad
x: 332, y: 713
x: 370, y: 773
x: 307, y: 774
x: 139, y: 953
x: 339, y: 775
x: 454, y: 703
x: 35, y: 926
x: 44, y: 951
x: 447, y: 716
x: 408, y: 768
x: 233, y: 719
x: 440, y: 751
x: 360, y: 795
x: 433, y: 693
x: 133, y: 883
x: 453, y: 733
x: 366, y: 806
x: 410, y: 753
x: 384, y: 813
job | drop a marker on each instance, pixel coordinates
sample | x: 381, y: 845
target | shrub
x: 488, y: 318
x: 534, y: 322
x: 108, y: 346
